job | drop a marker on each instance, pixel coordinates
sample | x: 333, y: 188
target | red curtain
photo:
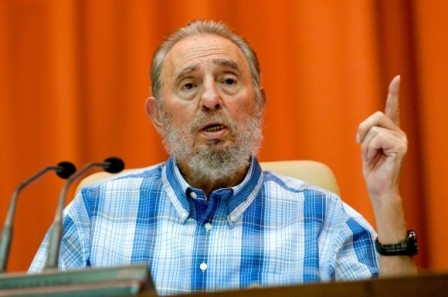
x: 74, y: 78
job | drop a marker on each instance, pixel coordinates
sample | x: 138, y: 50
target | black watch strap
x: 406, y: 247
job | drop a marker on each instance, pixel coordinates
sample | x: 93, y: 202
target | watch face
x: 412, y: 243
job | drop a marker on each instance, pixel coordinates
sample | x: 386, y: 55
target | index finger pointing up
x: 392, y: 106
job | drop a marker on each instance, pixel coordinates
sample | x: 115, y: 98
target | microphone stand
x: 112, y: 165
x: 56, y: 229
x: 126, y: 280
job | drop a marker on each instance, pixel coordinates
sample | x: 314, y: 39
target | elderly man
x: 209, y: 218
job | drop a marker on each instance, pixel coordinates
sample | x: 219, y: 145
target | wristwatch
x: 406, y: 247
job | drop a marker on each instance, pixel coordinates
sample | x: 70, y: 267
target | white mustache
x: 203, y: 119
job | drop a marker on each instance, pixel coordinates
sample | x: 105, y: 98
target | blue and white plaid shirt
x: 270, y: 230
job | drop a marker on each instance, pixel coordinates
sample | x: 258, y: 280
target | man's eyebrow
x: 185, y: 71
x: 226, y: 62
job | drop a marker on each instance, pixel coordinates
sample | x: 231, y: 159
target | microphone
x: 63, y: 170
x: 111, y: 165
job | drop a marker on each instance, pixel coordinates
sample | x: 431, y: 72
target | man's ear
x: 263, y: 101
x: 154, y: 113
x: 263, y: 97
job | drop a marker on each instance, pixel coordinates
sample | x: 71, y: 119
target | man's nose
x: 211, y: 99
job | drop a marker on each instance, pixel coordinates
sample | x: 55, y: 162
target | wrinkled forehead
x: 203, y: 50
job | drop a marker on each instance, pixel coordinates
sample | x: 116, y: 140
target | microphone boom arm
x: 112, y: 165
x: 63, y: 170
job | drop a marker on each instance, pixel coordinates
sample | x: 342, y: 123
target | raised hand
x: 383, y: 146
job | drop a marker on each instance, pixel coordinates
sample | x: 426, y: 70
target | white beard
x: 214, y: 160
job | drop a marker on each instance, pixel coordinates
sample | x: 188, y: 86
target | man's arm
x: 383, y: 146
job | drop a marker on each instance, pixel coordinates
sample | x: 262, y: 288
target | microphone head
x: 65, y: 169
x: 113, y: 165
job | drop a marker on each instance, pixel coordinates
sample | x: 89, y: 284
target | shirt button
x: 208, y: 226
x: 193, y: 195
x: 203, y: 266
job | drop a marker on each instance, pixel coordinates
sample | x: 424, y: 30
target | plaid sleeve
x: 356, y: 258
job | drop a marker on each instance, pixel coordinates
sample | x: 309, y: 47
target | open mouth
x: 213, y: 128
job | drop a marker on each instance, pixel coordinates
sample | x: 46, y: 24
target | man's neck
x: 208, y: 185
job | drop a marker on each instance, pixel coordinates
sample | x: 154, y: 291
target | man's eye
x: 188, y: 86
x: 230, y: 81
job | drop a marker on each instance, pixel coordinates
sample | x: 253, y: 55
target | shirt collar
x: 243, y: 194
